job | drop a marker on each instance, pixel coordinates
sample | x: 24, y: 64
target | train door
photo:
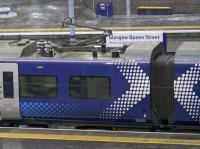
x: 9, y: 91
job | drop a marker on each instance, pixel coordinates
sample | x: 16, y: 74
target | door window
x: 8, y: 88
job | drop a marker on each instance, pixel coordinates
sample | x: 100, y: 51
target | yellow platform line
x: 156, y: 27
x: 153, y: 7
x: 112, y: 28
x: 99, y: 139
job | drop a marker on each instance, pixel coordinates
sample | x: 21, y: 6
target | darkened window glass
x: 90, y: 87
x: 38, y: 86
x: 8, y: 89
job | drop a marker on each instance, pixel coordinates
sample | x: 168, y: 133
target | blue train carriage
x: 186, y: 84
x: 143, y: 84
x: 107, y: 88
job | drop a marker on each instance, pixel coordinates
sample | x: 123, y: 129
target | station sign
x: 119, y: 39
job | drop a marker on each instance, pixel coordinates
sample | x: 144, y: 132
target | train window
x: 90, y: 87
x: 8, y: 89
x: 38, y: 86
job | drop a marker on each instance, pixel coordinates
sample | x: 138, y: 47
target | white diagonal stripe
x: 184, y: 91
x: 139, y: 88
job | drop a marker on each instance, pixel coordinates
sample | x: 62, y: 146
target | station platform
x: 27, y: 138
x: 45, y: 16
x: 135, y: 23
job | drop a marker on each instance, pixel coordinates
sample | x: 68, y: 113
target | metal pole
x: 35, y: 2
x: 71, y: 15
x: 128, y: 8
x: 93, y: 6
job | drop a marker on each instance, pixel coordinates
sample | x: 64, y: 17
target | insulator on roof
x: 116, y: 54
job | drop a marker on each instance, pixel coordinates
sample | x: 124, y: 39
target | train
x: 142, y: 84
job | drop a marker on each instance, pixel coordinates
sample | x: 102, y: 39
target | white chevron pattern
x: 139, y: 88
x: 184, y: 91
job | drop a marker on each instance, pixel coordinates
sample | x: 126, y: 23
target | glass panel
x: 8, y: 89
x: 90, y: 87
x: 38, y: 86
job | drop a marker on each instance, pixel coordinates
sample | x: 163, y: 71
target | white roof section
x: 13, y: 49
x: 142, y: 49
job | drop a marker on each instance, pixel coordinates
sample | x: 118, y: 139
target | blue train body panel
x: 130, y: 91
x: 186, y: 92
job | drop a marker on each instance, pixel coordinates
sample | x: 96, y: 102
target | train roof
x: 14, y: 49
x: 25, y: 48
x: 188, y: 51
x: 143, y: 49
x: 28, y: 49
x: 189, y: 48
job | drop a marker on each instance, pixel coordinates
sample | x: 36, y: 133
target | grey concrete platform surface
x: 47, y: 14
x: 15, y: 138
